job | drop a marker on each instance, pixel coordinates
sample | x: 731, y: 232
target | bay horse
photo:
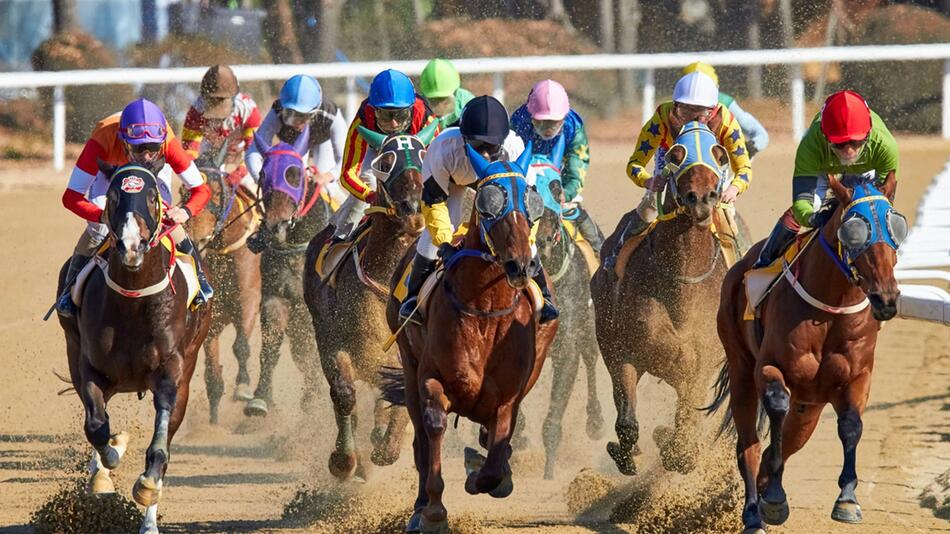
x: 656, y: 318
x: 348, y: 305
x: 482, y: 347
x: 134, y: 333
x: 570, y: 270
x: 812, y: 343
x: 291, y: 219
x: 222, y: 230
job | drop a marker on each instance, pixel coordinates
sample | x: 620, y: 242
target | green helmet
x: 439, y: 79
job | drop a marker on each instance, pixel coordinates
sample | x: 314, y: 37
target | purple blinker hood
x: 280, y: 158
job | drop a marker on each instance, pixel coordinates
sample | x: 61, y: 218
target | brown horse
x: 221, y: 230
x: 291, y: 218
x: 134, y: 333
x: 656, y: 318
x: 482, y: 348
x: 348, y: 305
x: 811, y: 344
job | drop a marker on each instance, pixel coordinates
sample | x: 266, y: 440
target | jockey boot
x: 205, y: 291
x: 65, y: 305
x: 589, y: 229
x: 775, y: 245
x: 635, y: 225
x: 422, y: 267
x: 549, y: 311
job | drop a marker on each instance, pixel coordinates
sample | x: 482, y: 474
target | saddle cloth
x: 330, y: 257
x: 593, y: 262
x: 183, y: 262
x: 723, y: 227
x: 759, y: 282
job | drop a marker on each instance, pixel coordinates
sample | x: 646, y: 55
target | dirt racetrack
x: 240, y: 475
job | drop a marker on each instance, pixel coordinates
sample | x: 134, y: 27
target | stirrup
x: 407, y: 308
x: 549, y: 312
x: 65, y: 305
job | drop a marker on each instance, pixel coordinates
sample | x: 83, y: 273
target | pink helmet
x: 548, y: 101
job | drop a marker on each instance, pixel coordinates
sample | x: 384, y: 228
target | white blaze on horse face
x: 131, y: 235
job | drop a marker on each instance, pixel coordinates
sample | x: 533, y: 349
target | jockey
x: 542, y: 120
x: 220, y: 125
x: 441, y: 85
x: 756, y: 137
x: 447, y: 172
x: 695, y: 98
x: 845, y: 138
x: 393, y: 107
x: 140, y: 134
x: 301, y: 105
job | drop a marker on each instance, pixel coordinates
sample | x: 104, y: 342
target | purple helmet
x: 142, y: 122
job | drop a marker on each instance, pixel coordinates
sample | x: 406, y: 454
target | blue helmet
x: 301, y: 93
x: 391, y: 89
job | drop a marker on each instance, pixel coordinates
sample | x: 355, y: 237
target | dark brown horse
x: 482, y: 347
x: 293, y: 214
x: 134, y: 333
x: 349, y: 304
x: 221, y: 230
x: 657, y: 318
x: 811, y: 344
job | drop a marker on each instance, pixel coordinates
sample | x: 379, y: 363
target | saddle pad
x: 186, y: 263
x: 628, y: 248
x: 726, y: 230
x: 758, y: 282
x: 80, y: 282
x: 330, y: 257
x: 593, y: 262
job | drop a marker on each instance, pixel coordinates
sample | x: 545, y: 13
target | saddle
x: 331, y: 256
x: 723, y: 228
x: 759, y: 282
x: 183, y: 262
x: 593, y: 262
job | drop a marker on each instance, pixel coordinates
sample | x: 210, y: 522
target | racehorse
x: 222, y: 230
x: 134, y: 333
x: 482, y: 347
x: 655, y: 318
x: 348, y: 300
x: 291, y: 219
x: 810, y: 343
x: 570, y: 274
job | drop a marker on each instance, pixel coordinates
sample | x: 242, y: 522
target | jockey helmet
x: 439, y: 79
x: 301, y: 93
x: 391, y: 89
x: 218, y: 88
x: 705, y: 68
x: 845, y: 117
x: 696, y: 89
x: 142, y: 122
x: 548, y: 101
x: 484, y: 119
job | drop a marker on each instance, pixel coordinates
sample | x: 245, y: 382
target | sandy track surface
x: 240, y: 475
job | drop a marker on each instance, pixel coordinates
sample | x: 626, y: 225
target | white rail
x: 498, y: 66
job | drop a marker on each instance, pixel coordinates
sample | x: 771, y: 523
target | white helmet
x: 696, y: 89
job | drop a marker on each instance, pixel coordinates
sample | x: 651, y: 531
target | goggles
x: 143, y: 130
x: 689, y: 112
x: 399, y: 115
x: 292, y: 117
x: 484, y: 147
x: 850, y: 144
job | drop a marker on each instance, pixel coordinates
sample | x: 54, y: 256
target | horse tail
x: 393, y: 385
x: 721, y: 395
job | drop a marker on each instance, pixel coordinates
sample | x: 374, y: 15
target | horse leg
x: 494, y: 475
x: 386, y: 446
x: 565, y: 372
x: 435, y: 420
x: 148, y: 488
x: 242, y: 353
x: 624, y: 378
x: 744, y: 403
x: 850, y: 408
x: 248, y: 275
x: 338, y: 371
x: 95, y: 392
x: 214, y: 381
x: 303, y: 348
x: 681, y: 451
x: 274, y: 319
x: 420, y: 447
x: 590, y: 354
x: 773, y: 503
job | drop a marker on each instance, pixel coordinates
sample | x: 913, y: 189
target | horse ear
x: 722, y: 157
x: 889, y: 189
x: 426, y: 134
x: 524, y: 160
x: 840, y: 191
x: 373, y: 139
x: 676, y: 154
x: 261, y: 144
x: 104, y: 167
x: 557, y: 153
x: 300, y: 145
x: 479, y: 164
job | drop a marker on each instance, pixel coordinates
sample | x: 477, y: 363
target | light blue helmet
x: 301, y: 93
x: 391, y: 89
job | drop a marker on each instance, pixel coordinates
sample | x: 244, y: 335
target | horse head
x: 547, y: 173
x: 283, y: 183
x: 506, y: 208
x: 696, y: 164
x: 868, y: 232
x: 133, y: 213
x: 204, y: 226
x: 398, y: 171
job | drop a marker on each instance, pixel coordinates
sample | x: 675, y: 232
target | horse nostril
x: 512, y: 269
x: 692, y: 198
x: 713, y: 196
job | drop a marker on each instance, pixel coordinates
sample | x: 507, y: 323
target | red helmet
x: 845, y: 117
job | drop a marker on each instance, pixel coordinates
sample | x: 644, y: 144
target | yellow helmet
x: 705, y: 68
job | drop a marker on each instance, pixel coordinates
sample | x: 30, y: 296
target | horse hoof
x: 256, y: 408
x: 382, y: 456
x: 623, y: 459
x: 595, y: 427
x: 148, y: 528
x: 473, y: 461
x: 243, y: 393
x: 378, y: 436
x: 147, y: 491
x: 100, y: 483
x: 773, y: 513
x: 504, y: 488
x: 662, y: 436
x: 847, y: 512
x: 342, y: 465
x: 434, y: 527
x: 754, y: 530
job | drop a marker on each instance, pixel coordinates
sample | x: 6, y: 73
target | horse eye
x: 854, y: 232
x: 897, y: 227
x: 490, y: 201
x: 534, y: 204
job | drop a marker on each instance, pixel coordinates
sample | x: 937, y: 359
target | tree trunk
x: 64, y: 15
x: 627, y: 42
x: 418, y: 13
x: 830, y: 31
x: 557, y: 13
x: 280, y: 36
x: 329, y: 26
x: 607, y: 26
x: 754, y: 73
x: 379, y: 14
